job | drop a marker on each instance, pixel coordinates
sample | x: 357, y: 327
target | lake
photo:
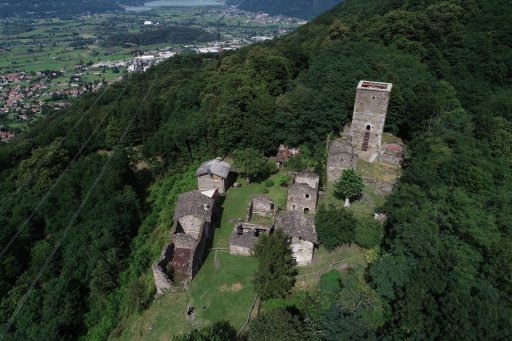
x: 175, y: 3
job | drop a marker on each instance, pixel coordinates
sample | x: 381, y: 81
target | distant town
x: 26, y: 93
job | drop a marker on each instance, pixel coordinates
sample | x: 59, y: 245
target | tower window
x: 368, y: 127
x: 306, y: 196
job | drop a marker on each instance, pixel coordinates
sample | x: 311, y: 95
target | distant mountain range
x: 295, y: 8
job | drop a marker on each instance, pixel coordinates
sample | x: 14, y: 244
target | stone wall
x: 302, y: 251
x: 191, y: 225
x: 207, y: 182
x: 370, y: 109
x: 302, y: 198
x: 162, y: 281
x: 262, y: 206
x: 239, y: 250
x: 341, y: 156
x: 307, y: 179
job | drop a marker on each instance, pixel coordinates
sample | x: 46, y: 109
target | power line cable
x: 75, y: 216
x: 43, y: 199
x: 43, y: 161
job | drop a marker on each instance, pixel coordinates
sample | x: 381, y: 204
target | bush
x: 269, y: 183
x: 349, y: 185
x: 274, y: 325
x: 335, y: 226
x: 219, y: 331
x: 330, y: 281
x: 296, y: 163
x: 368, y: 233
x: 283, y: 180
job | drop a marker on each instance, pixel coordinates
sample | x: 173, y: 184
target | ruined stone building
x: 284, y: 153
x: 301, y: 230
x: 303, y: 193
x: 341, y: 156
x: 213, y: 174
x: 260, y: 218
x: 193, y: 226
x: 370, y: 110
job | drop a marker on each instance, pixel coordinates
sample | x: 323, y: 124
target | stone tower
x: 370, y: 109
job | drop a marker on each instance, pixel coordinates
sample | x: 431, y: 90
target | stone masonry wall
x: 239, y: 250
x: 303, y: 252
x: 191, y: 225
x: 207, y: 182
x: 162, y: 281
x: 312, y: 182
x: 297, y: 200
x: 370, y: 109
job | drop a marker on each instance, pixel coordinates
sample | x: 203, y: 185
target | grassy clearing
x: 216, y: 294
x: 222, y: 293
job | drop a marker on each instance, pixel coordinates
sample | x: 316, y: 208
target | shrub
x: 283, y: 180
x: 335, y: 226
x: 269, y: 183
x: 368, y: 233
x: 349, y: 185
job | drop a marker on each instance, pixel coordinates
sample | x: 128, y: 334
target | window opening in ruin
x: 179, y: 228
x: 271, y: 206
x: 366, y: 138
x: 294, y: 207
x: 306, y: 196
x: 306, y: 210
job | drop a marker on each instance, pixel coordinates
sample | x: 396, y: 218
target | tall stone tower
x: 370, y: 109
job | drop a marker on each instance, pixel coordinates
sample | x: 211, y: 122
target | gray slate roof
x: 300, y: 188
x: 192, y: 203
x: 216, y: 167
x: 247, y: 239
x: 297, y: 224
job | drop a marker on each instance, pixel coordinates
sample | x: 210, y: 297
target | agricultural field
x: 47, y: 62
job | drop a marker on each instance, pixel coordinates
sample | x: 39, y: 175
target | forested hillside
x: 294, y: 8
x: 444, y: 265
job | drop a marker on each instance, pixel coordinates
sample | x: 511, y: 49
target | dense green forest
x: 51, y: 8
x: 445, y: 261
x: 173, y: 34
x: 294, y: 8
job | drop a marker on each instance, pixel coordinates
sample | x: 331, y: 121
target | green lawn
x: 224, y: 292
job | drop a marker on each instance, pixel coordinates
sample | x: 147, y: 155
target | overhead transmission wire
x: 75, y: 215
x: 68, y: 167
x: 43, y: 161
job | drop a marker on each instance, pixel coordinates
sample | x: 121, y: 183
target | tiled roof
x: 196, y: 204
x: 216, y: 167
x: 297, y: 224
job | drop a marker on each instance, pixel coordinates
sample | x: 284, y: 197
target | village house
x: 213, y: 174
x: 341, y: 156
x: 5, y: 136
x: 284, y: 153
x: 303, y: 193
x: 301, y: 230
x: 194, y: 219
x: 260, y: 218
